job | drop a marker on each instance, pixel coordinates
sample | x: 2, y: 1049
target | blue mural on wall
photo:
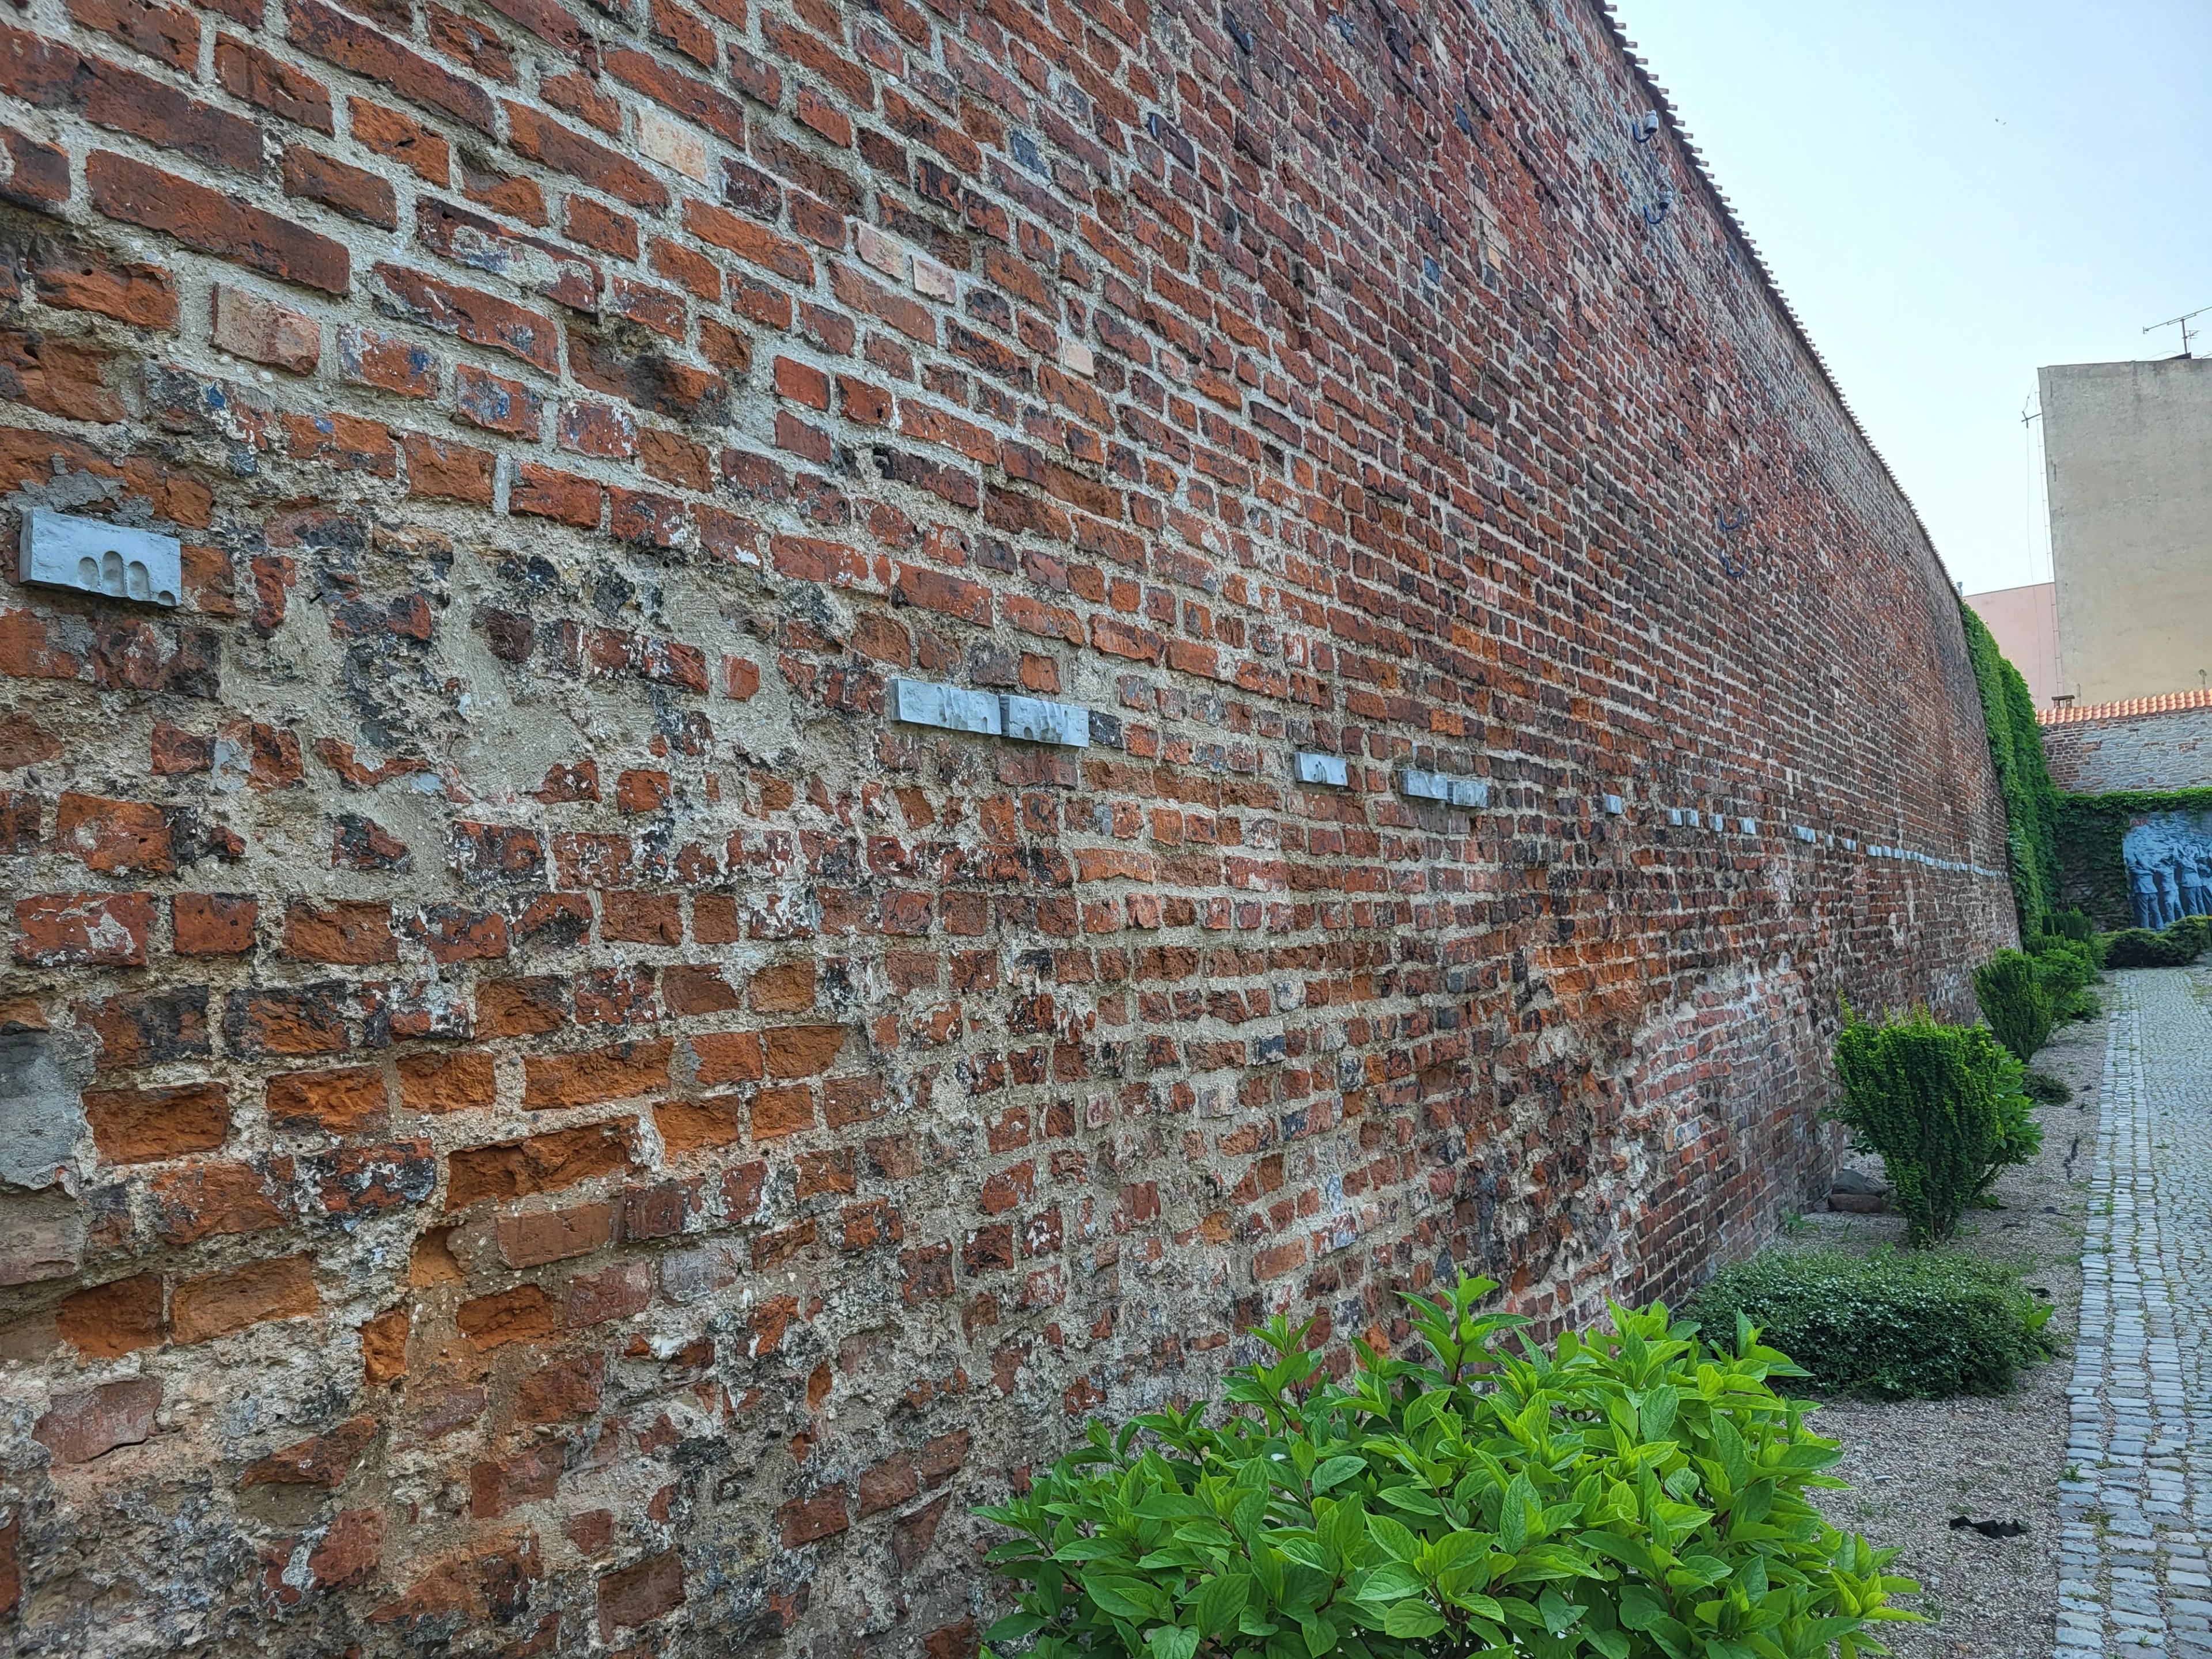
x: 2169, y: 860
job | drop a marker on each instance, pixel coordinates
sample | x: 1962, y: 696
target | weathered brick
x: 60, y: 930
x: 212, y: 223
x: 214, y: 924
x: 469, y: 314
x: 313, y: 177
x: 223, y: 1303
x: 353, y: 44
x: 89, y: 1423
x: 109, y: 1320
x: 536, y: 1164
x: 348, y: 1100
x: 262, y: 331
x: 82, y: 279
x: 135, y: 1126
x: 258, y: 77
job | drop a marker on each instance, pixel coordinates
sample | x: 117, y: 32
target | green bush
x: 2139, y: 947
x: 2080, y: 1005
x: 2017, y: 1001
x: 2073, y: 926
x: 1924, y: 1323
x: 1630, y: 1494
x: 2191, y: 933
x: 2065, y: 964
x: 2045, y: 1090
x: 1942, y: 1104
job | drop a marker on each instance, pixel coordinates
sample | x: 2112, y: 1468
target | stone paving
x: 2136, y: 1509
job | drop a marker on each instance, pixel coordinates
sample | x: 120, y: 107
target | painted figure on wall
x: 2169, y: 860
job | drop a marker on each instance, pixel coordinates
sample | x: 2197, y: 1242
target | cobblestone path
x: 2136, y: 1509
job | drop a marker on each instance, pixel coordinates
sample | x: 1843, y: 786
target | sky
x: 1952, y: 193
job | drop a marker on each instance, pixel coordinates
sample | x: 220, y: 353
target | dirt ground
x: 1915, y: 1465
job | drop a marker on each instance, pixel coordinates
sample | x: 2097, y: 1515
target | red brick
x: 356, y: 933
x: 640, y: 1594
x: 321, y: 1460
x: 215, y: 224
x: 57, y: 377
x: 251, y: 74
x: 687, y: 95
x: 354, y: 45
x: 496, y: 404
x: 347, y: 1101
x: 536, y: 1164
x: 544, y: 493
x: 314, y: 177
x: 809, y: 1519
x: 525, y: 1314
x: 469, y: 314
x: 85, y: 1423
x: 751, y: 242
x: 109, y: 1320
x: 82, y: 279
x: 390, y: 133
x: 48, y: 75
x: 37, y: 174
x: 596, y: 225
x: 447, y: 1082
x: 64, y: 929
x: 622, y: 1072
x: 262, y: 331
x: 222, y: 1303
x: 214, y: 924
x: 215, y: 1201
x: 440, y: 468
x: 537, y: 1237
x: 531, y: 134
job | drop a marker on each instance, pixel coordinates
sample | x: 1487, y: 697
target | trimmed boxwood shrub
x: 1941, y: 1105
x: 1926, y: 1323
x: 2139, y: 947
x: 1632, y: 1493
x: 2017, y: 1001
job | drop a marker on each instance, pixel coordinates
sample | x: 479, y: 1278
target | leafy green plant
x: 2139, y: 947
x: 1941, y: 1105
x: 2017, y: 1001
x: 2045, y: 1090
x: 1897, y: 1323
x: 1629, y: 1493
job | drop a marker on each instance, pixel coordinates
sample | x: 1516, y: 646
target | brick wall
x: 2163, y: 743
x: 537, y: 1120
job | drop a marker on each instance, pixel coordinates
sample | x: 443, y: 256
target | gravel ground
x: 1914, y: 1464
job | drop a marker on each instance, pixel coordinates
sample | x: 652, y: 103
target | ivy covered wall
x: 2093, y: 876
x: 2031, y: 802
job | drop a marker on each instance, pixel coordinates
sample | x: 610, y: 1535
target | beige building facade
x: 2127, y: 458
x: 2024, y: 621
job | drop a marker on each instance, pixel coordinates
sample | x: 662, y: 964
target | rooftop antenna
x: 2183, y: 323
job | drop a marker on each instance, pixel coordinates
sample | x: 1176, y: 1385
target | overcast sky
x: 1952, y: 192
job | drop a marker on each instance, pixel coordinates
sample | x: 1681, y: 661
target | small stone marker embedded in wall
x: 1442, y: 785
x: 946, y: 706
x: 1325, y: 770
x: 1032, y: 720
x: 113, y: 560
